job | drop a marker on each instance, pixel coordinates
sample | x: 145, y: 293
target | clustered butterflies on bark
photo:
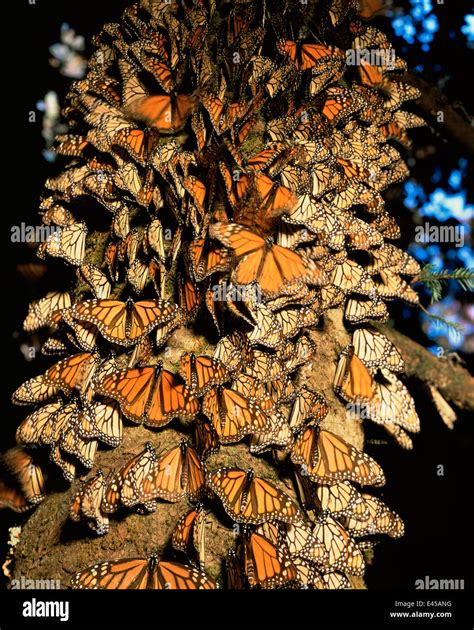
x: 225, y: 153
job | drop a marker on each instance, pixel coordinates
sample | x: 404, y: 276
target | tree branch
x: 453, y: 381
x: 455, y: 123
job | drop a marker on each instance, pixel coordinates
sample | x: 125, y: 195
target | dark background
x: 438, y: 541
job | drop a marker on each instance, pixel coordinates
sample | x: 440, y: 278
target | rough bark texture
x: 453, y: 381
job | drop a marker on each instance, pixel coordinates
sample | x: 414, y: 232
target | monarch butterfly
x: 264, y: 366
x: 127, y: 485
x: 223, y: 115
x: 233, y: 415
x: 178, y: 473
x: 113, y: 129
x: 339, y: 9
x: 101, y: 420
x: 393, y: 286
x: 28, y: 478
x: 278, y: 433
x: 70, y: 145
x: 265, y: 564
x: 67, y: 464
x: 353, y: 381
x: 297, y: 539
x: 338, y: 105
x: 167, y: 114
x: 205, y: 437
x: 87, y: 501
x: 11, y: 497
x: 359, y: 311
x: 124, y: 323
x: 394, y: 404
x: 360, y: 235
x: 327, y: 458
x: 306, y: 56
x: 207, y: 258
x: 40, y: 310
x: 149, y: 395
x: 30, y: 429
x: 84, y: 335
x: 66, y: 242
x: 343, y: 552
x: 386, y: 225
x: 233, y: 350
x: 308, y: 406
x: 250, y: 499
x: 202, y: 372
x: 97, y: 281
x: 189, y: 534
x: 153, y: 64
x: 74, y: 372
x: 378, y: 520
x: 189, y: 296
x: 127, y: 178
x: 332, y: 580
x: 327, y: 70
x: 276, y: 269
x: 139, y: 573
x: 72, y: 443
x: 39, y: 426
x: 268, y: 330
x: 376, y: 351
x: 341, y: 499
x: 138, y: 275
x: 352, y: 278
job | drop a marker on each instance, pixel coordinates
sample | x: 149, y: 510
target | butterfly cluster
x: 227, y: 166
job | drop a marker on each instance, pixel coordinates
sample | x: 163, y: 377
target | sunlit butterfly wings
x: 124, y: 323
x: 40, y: 310
x: 66, y: 242
x: 379, y: 519
x: 189, y: 534
x: 353, y: 381
x: 265, y: 564
x: 376, y: 351
x: 87, y: 501
x: 205, y: 437
x: 178, y: 473
x: 250, y: 499
x: 149, y: 395
x: 202, y: 372
x: 343, y: 552
x: 233, y: 415
x: 142, y: 573
x: 276, y: 269
x: 74, y: 372
x: 327, y: 458
x: 126, y: 486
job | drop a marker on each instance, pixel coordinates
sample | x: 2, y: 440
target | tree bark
x: 454, y: 123
x: 453, y: 381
